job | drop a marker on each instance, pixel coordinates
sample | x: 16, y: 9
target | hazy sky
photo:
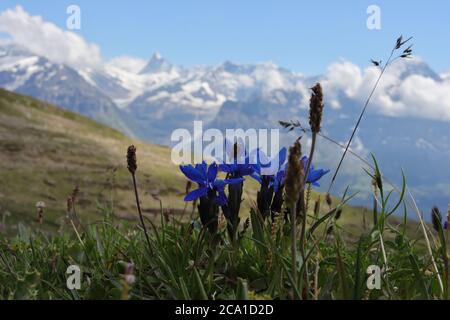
x: 304, y: 36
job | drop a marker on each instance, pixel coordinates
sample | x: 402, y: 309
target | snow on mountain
x: 24, y: 72
x: 157, y: 65
x: 17, y: 66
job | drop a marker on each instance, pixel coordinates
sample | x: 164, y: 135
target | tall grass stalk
x: 294, y: 185
x: 132, y: 167
x: 294, y: 243
x: 398, y: 45
x: 427, y: 240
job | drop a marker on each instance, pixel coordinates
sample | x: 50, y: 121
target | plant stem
x: 293, y: 244
x: 427, y: 241
x: 304, y: 274
x: 141, y: 217
x: 359, y: 120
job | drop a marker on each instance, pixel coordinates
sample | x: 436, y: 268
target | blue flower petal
x: 219, y: 184
x: 316, y: 175
x: 246, y: 170
x: 221, y: 199
x: 233, y: 181
x: 225, y: 168
x: 212, y: 172
x: 282, y: 156
x: 193, y: 174
x: 194, y: 195
x: 257, y: 177
x: 201, y: 168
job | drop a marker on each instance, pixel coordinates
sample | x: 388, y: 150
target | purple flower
x: 263, y: 163
x: 277, y: 179
x: 208, y: 184
x: 238, y: 164
x: 313, y: 175
x: 237, y: 169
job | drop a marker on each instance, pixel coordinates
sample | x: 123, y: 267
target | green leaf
x: 257, y: 226
x: 200, y: 286
x: 242, y: 290
x: 419, y: 276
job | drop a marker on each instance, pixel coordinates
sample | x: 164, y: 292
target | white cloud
x: 399, y: 94
x: 425, y: 97
x: 48, y: 40
x: 129, y: 64
x: 343, y: 76
x: 424, y: 144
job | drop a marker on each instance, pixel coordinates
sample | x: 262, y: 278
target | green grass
x: 186, y: 262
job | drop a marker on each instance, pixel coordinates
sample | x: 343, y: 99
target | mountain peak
x: 156, y: 64
x: 156, y: 56
x: 415, y: 66
x: 8, y: 48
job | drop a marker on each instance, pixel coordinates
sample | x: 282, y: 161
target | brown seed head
x: 436, y: 218
x: 329, y: 200
x: 131, y: 159
x: 295, y: 175
x: 330, y: 230
x: 317, y: 207
x: 75, y: 193
x: 316, y: 108
x: 338, y: 214
x: 69, y: 204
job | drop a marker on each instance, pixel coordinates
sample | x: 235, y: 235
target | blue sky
x: 304, y: 36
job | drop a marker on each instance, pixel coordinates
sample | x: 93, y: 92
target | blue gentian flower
x: 314, y: 175
x: 270, y: 175
x: 237, y: 169
x: 238, y: 164
x: 208, y: 184
x: 277, y: 179
x: 263, y: 162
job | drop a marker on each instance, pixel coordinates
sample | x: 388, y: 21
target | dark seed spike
x: 338, y: 214
x: 316, y: 108
x: 294, y: 175
x: 399, y: 42
x: 436, y: 218
x: 131, y: 159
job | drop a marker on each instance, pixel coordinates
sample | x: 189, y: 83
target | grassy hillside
x: 45, y: 152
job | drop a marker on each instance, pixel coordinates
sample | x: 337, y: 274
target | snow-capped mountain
x: 406, y: 125
x: 157, y: 65
x: 23, y: 72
